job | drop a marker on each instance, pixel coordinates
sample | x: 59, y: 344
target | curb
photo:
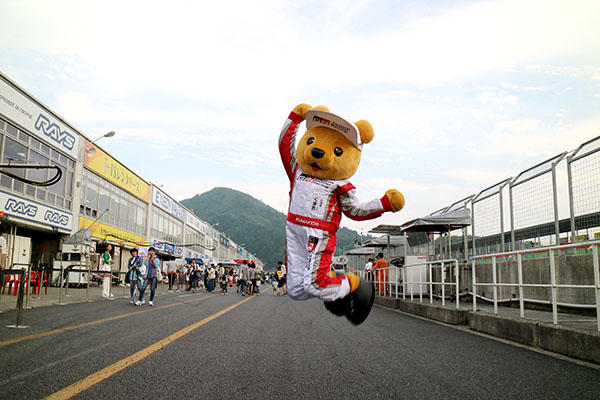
x: 570, y: 342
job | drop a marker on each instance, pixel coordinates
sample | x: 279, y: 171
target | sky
x: 461, y: 94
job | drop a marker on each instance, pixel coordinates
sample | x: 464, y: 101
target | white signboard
x: 19, y: 109
x: 194, y: 222
x: 162, y: 200
x: 32, y: 211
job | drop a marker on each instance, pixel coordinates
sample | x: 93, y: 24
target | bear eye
x: 310, y: 141
x: 338, y: 151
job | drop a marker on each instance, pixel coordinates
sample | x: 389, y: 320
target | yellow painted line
x: 109, y: 371
x: 96, y: 322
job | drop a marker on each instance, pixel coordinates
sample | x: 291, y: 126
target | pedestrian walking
x: 252, y: 276
x: 152, y: 264
x: 106, y: 268
x: 282, y: 276
x: 133, y: 272
x: 192, y: 276
x: 244, y: 274
x: 230, y: 278
x: 212, y: 276
x: 258, y: 278
x: 172, y: 270
x: 223, y: 283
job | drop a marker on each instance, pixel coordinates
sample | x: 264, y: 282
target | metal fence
x: 534, y: 278
x: 534, y: 238
x: 554, y: 202
x: 551, y: 283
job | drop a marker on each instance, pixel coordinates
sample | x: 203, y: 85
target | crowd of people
x: 195, y: 276
x: 146, y: 272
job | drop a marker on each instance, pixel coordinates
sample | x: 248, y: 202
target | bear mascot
x: 327, y: 156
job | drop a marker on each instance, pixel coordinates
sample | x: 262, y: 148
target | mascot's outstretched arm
x: 287, y: 139
x: 354, y: 209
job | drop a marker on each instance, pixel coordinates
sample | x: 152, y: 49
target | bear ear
x: 322, y: 108
x: 366, y: 130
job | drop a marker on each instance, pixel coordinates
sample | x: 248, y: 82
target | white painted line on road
x: 98, y: 321
x: 109, y: 371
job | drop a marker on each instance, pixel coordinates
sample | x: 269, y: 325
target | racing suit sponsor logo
x: 317, y: 203
x: 310, y: 260
x: 309, y: 222
x: 312, y: 243
x: 327, y: 184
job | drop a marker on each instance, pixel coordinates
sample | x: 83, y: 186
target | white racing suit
x: 313, y: 219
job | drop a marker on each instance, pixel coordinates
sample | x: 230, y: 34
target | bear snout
x: 317, y: 153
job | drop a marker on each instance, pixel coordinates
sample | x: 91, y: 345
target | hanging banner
x: 168, y: 248
x: 114, y: 172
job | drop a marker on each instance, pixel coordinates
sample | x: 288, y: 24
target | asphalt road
x: 270, y: 348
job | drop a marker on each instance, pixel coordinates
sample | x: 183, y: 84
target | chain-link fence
x: 487, y: 216
x: 536, y: 207
x: 583, y: 168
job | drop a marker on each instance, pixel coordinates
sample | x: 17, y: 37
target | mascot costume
x: 327, y: 156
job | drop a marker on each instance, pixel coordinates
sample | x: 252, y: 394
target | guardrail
x: 551, y: 250
x: 27, y: 279
x: 394, y: 277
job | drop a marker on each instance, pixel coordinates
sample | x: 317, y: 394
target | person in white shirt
x: 369, y: 269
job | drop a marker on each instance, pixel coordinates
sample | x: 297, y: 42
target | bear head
x: 326, y: 150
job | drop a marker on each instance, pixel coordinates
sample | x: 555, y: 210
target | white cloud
x: 538, y: 144
x: 258, y: 48
x: 509, y: 85
x: 535, y: 89
x: 573, y: 71
x: 496, y: 97
x: 519, y: 125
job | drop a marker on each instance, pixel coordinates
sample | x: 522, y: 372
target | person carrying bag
x: 133, y: 272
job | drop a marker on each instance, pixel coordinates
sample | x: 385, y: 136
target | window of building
x: 125, y: 211
x: 19, y: 147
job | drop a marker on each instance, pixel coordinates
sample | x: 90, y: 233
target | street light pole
x: 92, y: 149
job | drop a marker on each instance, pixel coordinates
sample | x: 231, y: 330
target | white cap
x: 316, y: 117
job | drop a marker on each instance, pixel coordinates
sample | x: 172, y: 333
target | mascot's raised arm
x: 327, y: 156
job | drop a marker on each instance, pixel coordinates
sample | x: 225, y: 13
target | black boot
x: 338, y: 307
x: 360, y: 302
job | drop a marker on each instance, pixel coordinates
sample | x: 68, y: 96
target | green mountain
x: 248, y: 221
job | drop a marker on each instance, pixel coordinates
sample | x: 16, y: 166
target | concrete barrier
x: 447, y: 315
x: 516, y: 329
x: 575, y: 343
